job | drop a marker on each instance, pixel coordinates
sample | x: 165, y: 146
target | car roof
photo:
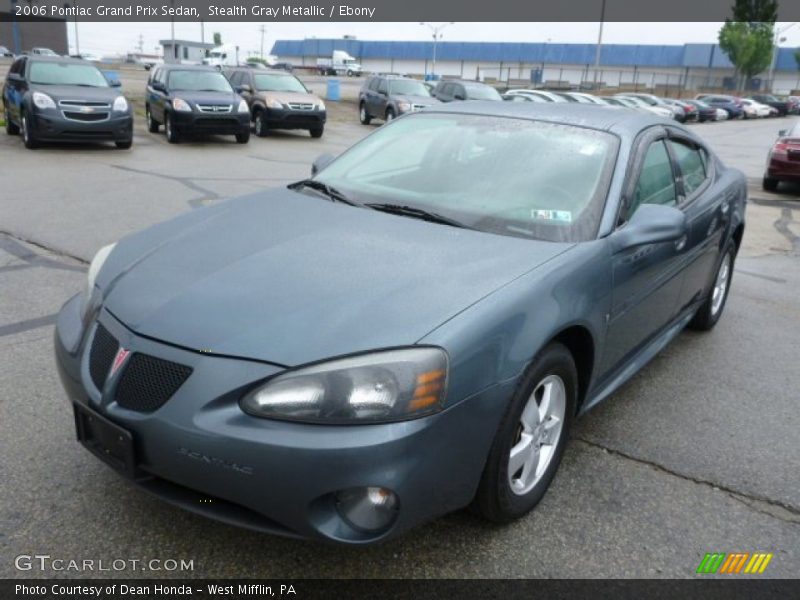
x: 616, y: 119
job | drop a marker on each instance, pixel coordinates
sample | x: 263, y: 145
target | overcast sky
x: 112, y: 38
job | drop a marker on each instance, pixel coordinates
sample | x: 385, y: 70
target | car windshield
x: 65, y: 73
x: 408, y: 87
x: 273, y: 82
x: 482, y: 92
x: 198, y: 81
x: 502, y: 175
x: 635, y: 101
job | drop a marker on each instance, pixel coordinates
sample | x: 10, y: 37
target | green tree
x: 747, y: 38
x: 217, y: 38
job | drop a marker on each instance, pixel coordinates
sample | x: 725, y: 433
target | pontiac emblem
x: 119, y: 360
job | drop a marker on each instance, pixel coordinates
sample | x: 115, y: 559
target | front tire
x: 243, y: 138
x: 125, y: 145
x: 152, y: 124
x: 530, y: 440
x: 711, y: 310
x: 769, y: 184
x: 363, y: 115
x: 169, y: 129
x: 28, y: 137
x: 317, y: 132
x: 11, y: 128
x: 260, y: 124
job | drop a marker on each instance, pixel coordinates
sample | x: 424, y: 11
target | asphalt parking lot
x: 698, y: 453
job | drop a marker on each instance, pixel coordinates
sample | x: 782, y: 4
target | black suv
x: 449, y: 91
x: 389, y: 96
x: 194, y: 100
x: 54, y: 99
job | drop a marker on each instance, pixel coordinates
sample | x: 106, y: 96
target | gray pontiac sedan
x: 410, y: 331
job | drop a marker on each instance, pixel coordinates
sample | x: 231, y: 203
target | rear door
x: 647, y: 279
x: 14, y: 91
x: 379, y: 98
x: 156, y: 98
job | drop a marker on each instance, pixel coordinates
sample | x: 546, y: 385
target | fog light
x: 368, y: 509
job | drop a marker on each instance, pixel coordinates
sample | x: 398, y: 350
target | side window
x: 383, y: 87
x: 235, y: 79
x: 16, y: 67
x: 656, y: 184
x: 373, y: 84
x: 690, y: 161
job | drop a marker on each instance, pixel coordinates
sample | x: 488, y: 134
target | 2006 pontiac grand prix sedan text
x: 410, y: 331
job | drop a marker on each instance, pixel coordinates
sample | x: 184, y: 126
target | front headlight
x: 120, y: 104
x: 321, y: 105
x: 390, y: 385
x: 243, y: 107
x: 41, y: 100
x: 272, y: 103
x: 94, y: 269
x: 181, y: 105
x: 403, y: 106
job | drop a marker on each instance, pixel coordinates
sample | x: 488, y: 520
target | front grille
x: 91, y: 117
x: 215, y: 108
x: 300, y: 106
x: 104, y: 349
x: 148, y: 382
x: 80, y: 103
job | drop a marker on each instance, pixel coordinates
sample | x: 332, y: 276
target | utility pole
x: 140, y: 45
x: 776, y: 40
x: 436, y: 30
x: 263, y: 30
x: 202, y: 31
x: 599, y: 41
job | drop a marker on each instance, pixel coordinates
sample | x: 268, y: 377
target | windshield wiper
x: 417, y: 213
x: 327, y: 190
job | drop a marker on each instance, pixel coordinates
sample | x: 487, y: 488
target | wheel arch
x: 580, y: 343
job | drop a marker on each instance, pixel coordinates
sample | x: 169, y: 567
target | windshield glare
x: 56, y: 73
x: 198, y: 81
x: 501, y: 175
x: 272, y: 82
x: 408, y: 87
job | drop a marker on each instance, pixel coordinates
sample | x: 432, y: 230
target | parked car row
x: 53, y: 98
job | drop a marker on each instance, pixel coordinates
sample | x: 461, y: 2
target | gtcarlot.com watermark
x: 47, y: 563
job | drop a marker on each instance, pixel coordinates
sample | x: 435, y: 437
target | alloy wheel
x: 537, y: 434
x: 721, y: 284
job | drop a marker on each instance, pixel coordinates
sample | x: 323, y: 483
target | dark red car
x: 783, y: 163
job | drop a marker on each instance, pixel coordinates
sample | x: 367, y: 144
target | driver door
x: 647, y: 279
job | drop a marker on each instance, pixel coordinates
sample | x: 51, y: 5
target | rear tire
x: 243, y: 138
x: 317, y: 132
x: 711, y: 310
x: 536, y: 425
x: 11, y: 128
x: 363, y: 115
x: 169, y: 130
x: 28, y: 137
x: 152, y: 124
x: 769, y: 184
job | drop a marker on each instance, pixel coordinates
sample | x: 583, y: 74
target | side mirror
x: 783, y: 132
x: 322, y: 161
x: 115, y: 83
x: 244, y: 89
x: 650, y: 224
x: 158, y: 86
x: 15, y: 77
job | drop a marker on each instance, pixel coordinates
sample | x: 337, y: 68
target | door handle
x: 681, y: 243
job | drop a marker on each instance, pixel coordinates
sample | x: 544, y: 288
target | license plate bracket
x: 106, y: 440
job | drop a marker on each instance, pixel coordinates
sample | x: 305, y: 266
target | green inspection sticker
x: 563, y: 216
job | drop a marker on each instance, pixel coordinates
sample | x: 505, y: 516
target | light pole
x: 263, y: 30
x: 775, y: 41
x: 599, y: 41
x: 77, y: 41
x: 436, y: 30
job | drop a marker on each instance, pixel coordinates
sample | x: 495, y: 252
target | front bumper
x: 285, y: 118
x: 199, y: 450
x: 232, y: 123
x: 50, y: 126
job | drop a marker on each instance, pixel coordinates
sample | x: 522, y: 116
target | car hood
x: 291, y: 278
x: 203, y: 97
x: 287, y: 97
x: 78, y: 92
x: 414, y: 99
